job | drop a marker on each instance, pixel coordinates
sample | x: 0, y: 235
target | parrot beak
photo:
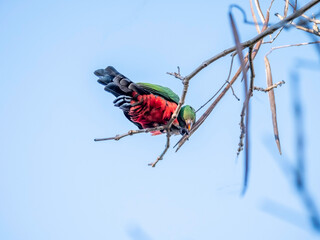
x: 189, y: 124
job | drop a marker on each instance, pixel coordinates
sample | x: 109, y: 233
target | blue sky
x: 57, y: 183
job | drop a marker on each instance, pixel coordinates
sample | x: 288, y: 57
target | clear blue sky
x: 57, y: 183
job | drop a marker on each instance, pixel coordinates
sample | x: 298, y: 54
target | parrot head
x: 186, y: 118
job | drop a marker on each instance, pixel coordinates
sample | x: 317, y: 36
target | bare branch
x: 227, y: 81
x: 275, y: 37
x: 291, y: 45
x: 243, y: 130
x: 245, y: 110
x: 286, y: 7
x: 269, y: 88
x: 130, y: 133
x: 313, y: 31
x: 252, y: 74
x: 259, y: 10
x: 176, y: 75
x: 164, y: 151
x: 230, y: 70
x: 254, y: 18
x: 213, y: 105
x: 242, y: 115
x: 314, y: 20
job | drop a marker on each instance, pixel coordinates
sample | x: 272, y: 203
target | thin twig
x: 295, y: 5
x: 291, y: 45
x: 164, y: 151
x: 285, y: 15
x: 211, y: 97
x: 275, y: 37
x: 316, y: 21
x: 313, y: 31
x: 227, y: 81
x: 176, y: 74
x: 242, y: 115
x: 230, y: 70
x: 269, y: 88
x: 243, y: 126
x: 286, y: 7
x: 243, y: 131
x: 130, y: 133
x: 252, y: 73
x: 254, y: 18
x: 259, y: 10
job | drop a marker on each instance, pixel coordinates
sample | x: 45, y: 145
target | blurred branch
x: 314, y: 31
x: 245, y: 20
x: 314, y: 20
x: 283, y: 212
x: 245, y: 109
x: 272, y: 102
x: 299, y: 169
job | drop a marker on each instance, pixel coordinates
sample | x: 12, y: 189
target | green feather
x: 164, y: 92
x: 186, y: 112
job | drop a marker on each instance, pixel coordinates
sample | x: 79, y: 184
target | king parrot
x: 146, y: 105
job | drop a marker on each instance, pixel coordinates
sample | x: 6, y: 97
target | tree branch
x: 256, y: 40
x: 269, y: 88
x: 164, y: 151
x: 130, y: 133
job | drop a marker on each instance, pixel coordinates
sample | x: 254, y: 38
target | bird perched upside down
x: 146, y: 105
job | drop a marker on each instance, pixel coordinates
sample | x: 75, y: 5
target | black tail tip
x: 111, y: 71
x: 107, y: 71
x: 100, y: 72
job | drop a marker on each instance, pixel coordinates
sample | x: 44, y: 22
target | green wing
x: 164, y: 92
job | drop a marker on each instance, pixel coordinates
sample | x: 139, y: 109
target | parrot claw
x: 184, y: 131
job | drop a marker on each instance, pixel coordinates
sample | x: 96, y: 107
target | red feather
x: 151, y: 111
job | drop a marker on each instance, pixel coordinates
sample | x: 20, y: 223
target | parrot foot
x: 184, y: 131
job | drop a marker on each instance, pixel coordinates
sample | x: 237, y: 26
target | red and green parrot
x: 146, y: 105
